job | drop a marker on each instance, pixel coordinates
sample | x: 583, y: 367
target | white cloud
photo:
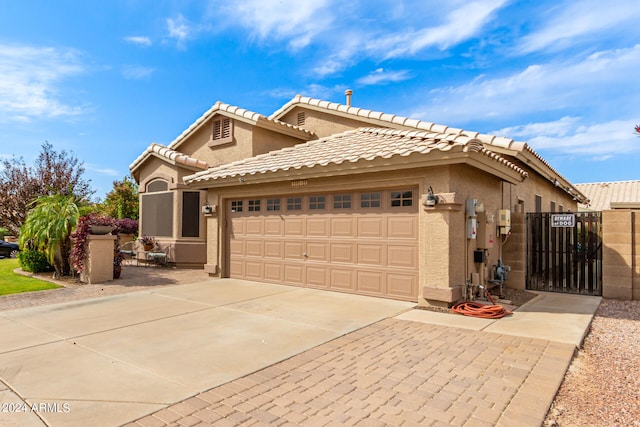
x: 582, y: 20
x: 460, y: 24
x: 382, y: 76
x: 103, y: 171
x: 297, y: 21
x: 558, y: 128
x: 179, y: 29
x: 139, y: 40
x: 587, y: 83
x: 31, y: 76
x: 137, y: 72
x: 600, y: 141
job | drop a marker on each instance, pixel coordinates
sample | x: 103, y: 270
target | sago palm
x: 48, y: 228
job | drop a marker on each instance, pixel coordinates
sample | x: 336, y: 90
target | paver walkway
x: 395, y: 373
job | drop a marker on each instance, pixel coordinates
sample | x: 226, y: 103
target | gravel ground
x: 602, y: 386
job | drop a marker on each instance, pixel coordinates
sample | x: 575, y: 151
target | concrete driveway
x: 107, y: 361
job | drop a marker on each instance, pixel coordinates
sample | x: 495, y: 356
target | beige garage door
x: 364, y: 242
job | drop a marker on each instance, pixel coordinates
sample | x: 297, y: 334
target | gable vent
x: 222, y: 128
x: 301, y: 119
x: 222, y: 132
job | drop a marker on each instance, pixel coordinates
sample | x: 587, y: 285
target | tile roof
x: 363, y: 144
x: 603, y: 194
x: 168, y: 154
x: 497, y: 143
x: 242, y: 115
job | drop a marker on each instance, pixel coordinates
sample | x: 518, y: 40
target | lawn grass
x: 11, y: 283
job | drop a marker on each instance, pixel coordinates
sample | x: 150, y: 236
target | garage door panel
x: 405, y: 256
x: 402, y: 227
x: 370, y: 282
x: 253, y: 248
x: 317, y: 276
x: 253, y: 270
x: 343, y: 252
x: 273, y: 249
x: 371, y: 254
x: 318, y: 227
x: 371, y: 227
x: 237, y: 247
x: 371, y: 251
x: 293, y: 250
x: 254, y: 226
x: 318, y: 251
x: 273, y: 226
x: 403, y: 286
x: 342, y: 279
x: 238, y: 226
x: 294, y: 274
x: 294, y: 227
x: 342, y: 227
x: 236, y: 268
x: 273, y: 272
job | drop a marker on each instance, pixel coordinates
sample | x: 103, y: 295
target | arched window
x: 157, y: 185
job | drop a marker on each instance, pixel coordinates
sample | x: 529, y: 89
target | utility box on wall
x: 486, y: 230
x: 504, y: 221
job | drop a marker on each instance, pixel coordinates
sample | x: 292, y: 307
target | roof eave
x: 436, y: 158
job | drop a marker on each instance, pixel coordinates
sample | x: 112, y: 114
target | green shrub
x: 3, y: 232
x: 33, y: 261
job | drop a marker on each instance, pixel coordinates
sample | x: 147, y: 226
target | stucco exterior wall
x: 537, y: 185
x: 265, y: 140
x: 323, y: 124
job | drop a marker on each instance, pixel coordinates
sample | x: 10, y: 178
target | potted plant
x: 148, y: 242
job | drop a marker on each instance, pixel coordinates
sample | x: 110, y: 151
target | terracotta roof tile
x: 350, y: 147
x: 602, y: 194
x: 169, y: 154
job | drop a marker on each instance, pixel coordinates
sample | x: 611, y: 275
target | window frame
x: 294, y: 203
x: 403, y: 200
x: 370, y: 201
x: 221, y: 131
x: 343, y: 201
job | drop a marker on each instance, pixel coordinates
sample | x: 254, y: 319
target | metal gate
x: 564, y: 252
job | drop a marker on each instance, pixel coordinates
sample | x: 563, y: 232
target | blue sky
x: 104, y: 79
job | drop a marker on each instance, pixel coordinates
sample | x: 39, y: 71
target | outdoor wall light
x: 432, y: 199
x: 207, y: 209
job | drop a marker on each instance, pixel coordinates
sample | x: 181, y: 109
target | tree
x: 48, y: 228
x: 53, y: 173
x: 122, y: 201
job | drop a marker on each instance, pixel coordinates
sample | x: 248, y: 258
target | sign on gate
x: 563, y: 220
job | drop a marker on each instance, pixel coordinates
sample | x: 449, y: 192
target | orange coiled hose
x: 475, y: 309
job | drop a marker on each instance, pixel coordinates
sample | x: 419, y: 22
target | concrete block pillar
x: 442, y: 251
x: 618, y: 253
x: 514, y: 252
x: 98, y: 264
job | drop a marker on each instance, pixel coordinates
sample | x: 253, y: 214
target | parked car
x: 8, y: 249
